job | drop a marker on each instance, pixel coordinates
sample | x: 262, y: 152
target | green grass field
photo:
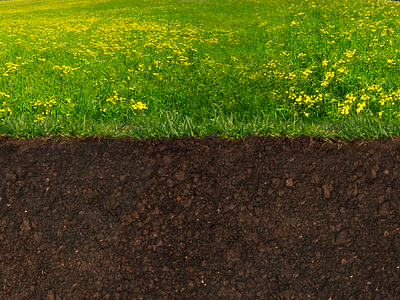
x: 168, y: 68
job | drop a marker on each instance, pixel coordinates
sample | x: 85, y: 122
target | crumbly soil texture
x: 199, y: 218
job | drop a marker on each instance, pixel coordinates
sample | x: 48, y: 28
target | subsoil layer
x: 191, y: 218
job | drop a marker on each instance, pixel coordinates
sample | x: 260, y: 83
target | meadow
x: 168, y: 68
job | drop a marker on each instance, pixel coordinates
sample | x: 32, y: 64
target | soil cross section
x: 188, y: 218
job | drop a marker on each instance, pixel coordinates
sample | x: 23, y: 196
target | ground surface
x: 258, y: 218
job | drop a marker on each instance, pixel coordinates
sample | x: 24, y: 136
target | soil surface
x: 191, y: 218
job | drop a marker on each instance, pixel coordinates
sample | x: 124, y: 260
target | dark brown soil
x: 257, y: 218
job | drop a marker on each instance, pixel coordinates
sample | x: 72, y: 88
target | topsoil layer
x: 187, y: 218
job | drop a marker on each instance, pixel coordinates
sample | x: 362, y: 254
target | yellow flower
x: 139, y: 105
x: 328, y: 77
x: 360, y: 107
x: 391, y: 62
x: 350, y: 98
x: 365, y: 97
x: 4, y: 94
x: 350, y: 53
x: 345, y: 109
x: 307, y: 72
x: 291, y: 76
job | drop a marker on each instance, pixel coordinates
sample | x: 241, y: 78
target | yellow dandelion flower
x: 4, y: 95
x: 139, y: 105
x: 291, y: 76
x: 365, y: 97
x: 360, y: 107
x: 307, y: 72
x: 349, y: 54
x: 350, y: 98
x: 327, y: 78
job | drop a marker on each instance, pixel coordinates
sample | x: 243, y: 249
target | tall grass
x: 166, y: 68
